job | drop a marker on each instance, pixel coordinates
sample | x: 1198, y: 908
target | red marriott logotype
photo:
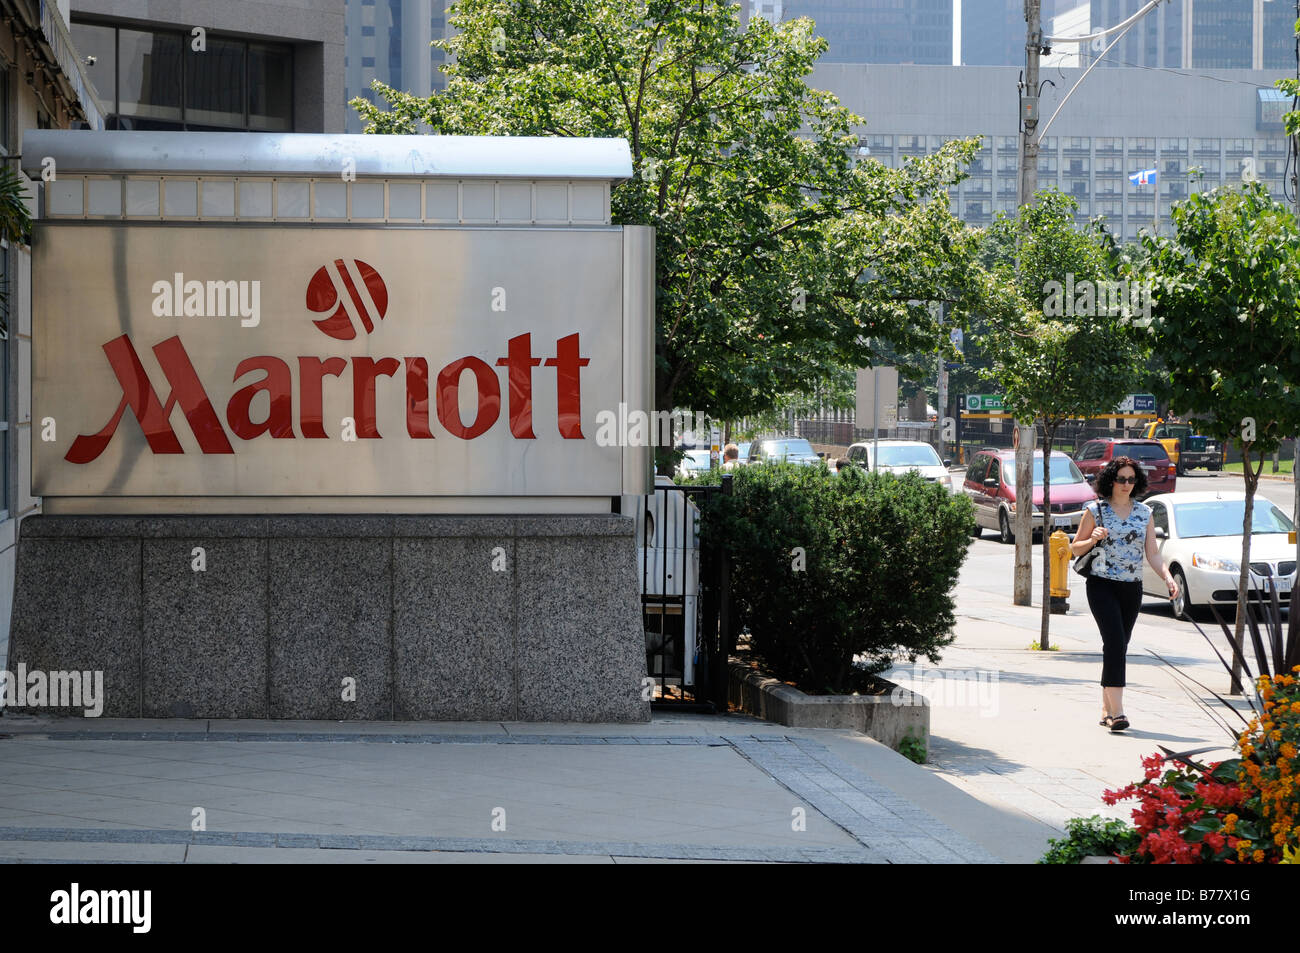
x: 351, y: 293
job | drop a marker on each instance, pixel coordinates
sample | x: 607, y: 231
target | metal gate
x: 683, y: 594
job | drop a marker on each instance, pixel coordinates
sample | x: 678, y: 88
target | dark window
x: 214, y: 84
x: 1141, y: 451
x: 149, y: 75
x: 157, y: 80
x: 270, y: 87
x: 1159, y: 518
x: 995, y: 470
x: 975, y: 472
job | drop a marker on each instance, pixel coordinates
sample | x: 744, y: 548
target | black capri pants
x: 1115, y: 606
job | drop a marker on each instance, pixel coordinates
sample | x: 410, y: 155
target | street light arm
x: 1118, y: 26
x: 1093, y: 65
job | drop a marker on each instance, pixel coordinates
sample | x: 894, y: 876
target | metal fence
x: 845, y: 432
x: 685, y: 599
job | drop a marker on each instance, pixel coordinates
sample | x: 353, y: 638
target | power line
x: 1176, y: 72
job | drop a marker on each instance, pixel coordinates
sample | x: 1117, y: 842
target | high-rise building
x: 1198, y: 131
x: 992, y: 32
x: 389, y: 40
x: 1200, y: 34
x: 872, y: 31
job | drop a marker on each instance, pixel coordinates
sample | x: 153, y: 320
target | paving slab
x: 1029, y: 741
x: 684, y: 787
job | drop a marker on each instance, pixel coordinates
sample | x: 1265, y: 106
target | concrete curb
x: 886, y: 718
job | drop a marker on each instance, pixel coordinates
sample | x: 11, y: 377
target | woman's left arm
x: 1156, y: 561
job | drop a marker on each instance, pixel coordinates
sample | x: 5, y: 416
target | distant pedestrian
x: 1114, y: 584
x: 730, y: 457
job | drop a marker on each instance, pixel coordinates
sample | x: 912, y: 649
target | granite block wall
x: 524, y: 618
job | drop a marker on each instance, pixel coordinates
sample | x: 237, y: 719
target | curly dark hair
x: 1106, y: 479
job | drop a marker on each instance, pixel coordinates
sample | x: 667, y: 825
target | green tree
x: 1226, y: 317
x: 1058, y: 361
x: 781, y: 255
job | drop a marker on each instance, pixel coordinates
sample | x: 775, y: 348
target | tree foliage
x: 1057, y: 362
x: 1057, y: 366
x: 1227, y: 326
x: 1227, y: 310
x: 780, y: 253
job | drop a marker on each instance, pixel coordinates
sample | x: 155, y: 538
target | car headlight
x: 1214, y: 563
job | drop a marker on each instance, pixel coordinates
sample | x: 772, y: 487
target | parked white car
x: 1199, y: 535
x: 903, y: 456
x: 694, y: 461
x: 777, y: 449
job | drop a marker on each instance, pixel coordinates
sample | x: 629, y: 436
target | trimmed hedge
x: 827, y: 567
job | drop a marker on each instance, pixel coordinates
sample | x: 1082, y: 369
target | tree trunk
x: 1049, y: 432
x: 1243, y: 580
x: 1022, y: 581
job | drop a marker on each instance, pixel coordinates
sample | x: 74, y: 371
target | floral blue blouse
x: 1120, y: 554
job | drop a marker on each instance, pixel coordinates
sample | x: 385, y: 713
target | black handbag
x: 1083, y: 564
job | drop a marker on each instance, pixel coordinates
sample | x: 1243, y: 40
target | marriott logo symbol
x: 351, y: 294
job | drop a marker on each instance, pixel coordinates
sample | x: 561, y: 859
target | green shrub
x: 1090, y: 837
x: 827, y: 567
x: 912, y: 747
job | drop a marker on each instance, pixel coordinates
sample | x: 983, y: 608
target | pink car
x: 991, y: 484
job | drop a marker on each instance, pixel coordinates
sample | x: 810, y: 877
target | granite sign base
x: 469, y: 618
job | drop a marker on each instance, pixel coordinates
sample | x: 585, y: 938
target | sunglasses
x: 1126, y: 479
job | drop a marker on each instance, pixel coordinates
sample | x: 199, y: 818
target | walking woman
x: 1122, y: 527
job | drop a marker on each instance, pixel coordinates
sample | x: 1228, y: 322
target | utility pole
x: 1026, y: 432
x: 941, y: 397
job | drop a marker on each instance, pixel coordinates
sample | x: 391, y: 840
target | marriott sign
x: 329, y: 361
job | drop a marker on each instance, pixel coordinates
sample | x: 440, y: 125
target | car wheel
x: 1004, y: 528
x: 1182, y: 607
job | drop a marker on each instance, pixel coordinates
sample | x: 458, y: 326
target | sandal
x: 1118, y: 723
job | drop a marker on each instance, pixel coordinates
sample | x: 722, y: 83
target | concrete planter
x: 888, y: 718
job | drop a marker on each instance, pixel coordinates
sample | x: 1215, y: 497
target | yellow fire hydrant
x: 1060, y: 555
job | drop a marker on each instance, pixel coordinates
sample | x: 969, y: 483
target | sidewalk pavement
x: 685, y: 787
x: 1030, y: 739
x: 1008, y: 766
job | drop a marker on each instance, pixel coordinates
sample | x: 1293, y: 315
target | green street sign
x: 984, y: 403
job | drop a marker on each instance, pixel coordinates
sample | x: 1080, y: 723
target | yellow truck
x: 1186, y: 448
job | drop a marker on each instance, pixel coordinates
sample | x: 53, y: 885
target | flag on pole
x: 1145, y: 177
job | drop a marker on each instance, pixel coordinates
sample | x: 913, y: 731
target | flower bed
x: 1242, y: 810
